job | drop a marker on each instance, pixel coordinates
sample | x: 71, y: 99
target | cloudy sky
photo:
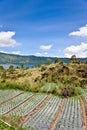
x: 44, y: 27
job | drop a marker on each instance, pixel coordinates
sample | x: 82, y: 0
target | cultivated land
x: 50, y: 97
x: 43, y: 111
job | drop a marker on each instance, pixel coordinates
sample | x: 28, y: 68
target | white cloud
x: 41, y: 54
x: 45, y: 53
x: 6, y: 39
x: 4, y: 52
x: 82, y: 32
x: 45, y: 47
x: 16, y: 52
x: 38, y: 54
x: 78, y: 50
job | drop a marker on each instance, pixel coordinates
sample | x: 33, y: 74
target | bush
x: 1, y: 68
x: 66, y: 92
x: 3, y: 75
x: 48, y: 62
x: 71, y: 90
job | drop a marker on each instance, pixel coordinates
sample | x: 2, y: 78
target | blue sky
x: 44, y: 27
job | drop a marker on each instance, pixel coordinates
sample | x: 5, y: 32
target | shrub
x: 48, y: 62
x: 71, y: 90
x: 66, y: 92
x: 1, y: 68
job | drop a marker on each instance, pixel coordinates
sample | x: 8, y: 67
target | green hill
x: 31, y: 59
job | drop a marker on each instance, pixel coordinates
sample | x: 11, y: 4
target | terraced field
x: 39, y: 111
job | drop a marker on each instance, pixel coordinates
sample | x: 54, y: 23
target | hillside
x: 51, y: 78
x: 17, y: 59
x: 45, y: 93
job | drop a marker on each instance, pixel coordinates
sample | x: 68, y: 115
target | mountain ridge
x: 32, y: 59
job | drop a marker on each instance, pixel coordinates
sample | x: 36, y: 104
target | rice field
x: 39, y: 111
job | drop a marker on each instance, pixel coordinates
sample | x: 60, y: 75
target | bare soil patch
x: 83, y: 113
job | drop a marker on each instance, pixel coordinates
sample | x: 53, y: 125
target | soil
x: 11, y: 98
x: 25, y: 118
x: 84, y: 113
x: 18, y: 105
x: 57, y: 116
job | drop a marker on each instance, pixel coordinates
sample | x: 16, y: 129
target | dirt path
x: 11, y: 98
x: 25, y: 118
x: 56, y: 118
x: 83, y: 113
x: 18, y: 105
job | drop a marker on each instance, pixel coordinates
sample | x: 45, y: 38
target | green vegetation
x: 60, y: 79
x: 17, y: 59
x: 11, y: 67
x: 22, y: 65
x: 1, y: 68
x: 73, y: 58
x: 57, y: 60
x: 4, y: 126
x: 48, y: 62
x: 44, y: 108
x: 57, y: 78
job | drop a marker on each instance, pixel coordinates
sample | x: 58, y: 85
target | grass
x: 53, y: 79
x: 45, y: 87
x: 4, y: 126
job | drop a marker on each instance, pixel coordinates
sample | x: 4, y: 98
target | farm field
x: 39, y: 111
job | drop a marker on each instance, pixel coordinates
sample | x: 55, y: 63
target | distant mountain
x: 18, y: 59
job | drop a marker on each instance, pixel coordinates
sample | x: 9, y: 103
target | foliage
x: 71, y: 90
x: 4, y: 126
x: 1, y: 68
x: 22, y: 65
x: 57, y: 60
x: 73, y: 59
x: 3, y: 75
x: 48, y: 62
x: 11, y: 67
x: 17, y: 59
x: 38, y: 65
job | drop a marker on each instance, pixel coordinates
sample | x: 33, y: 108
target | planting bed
x: 44, y: 117
x: 5, y: 94
x: 38, y: 111
x: 70, y: 118
x: 13, y: 103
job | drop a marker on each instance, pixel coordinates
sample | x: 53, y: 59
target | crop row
x: 70, y: 118
x: 42, y: 119
x: 14, y: 102
x: 29, y: 105
x: 6, y: 94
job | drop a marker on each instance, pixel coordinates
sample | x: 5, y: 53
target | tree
x: 48, y: 62
x: 11, y: 67
x: 1, y: 68
x: 57, y: 60
x: 38, y: 65
x: 73, y: 58
x: 22, y: 65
